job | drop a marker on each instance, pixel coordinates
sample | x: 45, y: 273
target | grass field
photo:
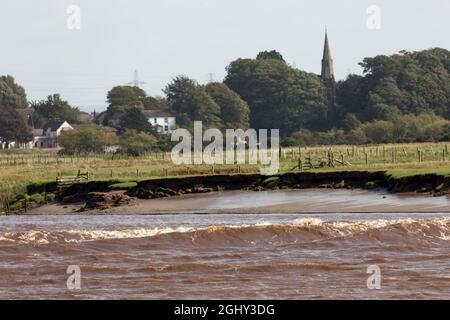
x: 20, y: 168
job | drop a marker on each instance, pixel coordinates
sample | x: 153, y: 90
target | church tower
x: 327, y: 75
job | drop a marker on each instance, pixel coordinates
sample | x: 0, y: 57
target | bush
x: 123, y: 186
x: 86, y: 140
x: 303, y: 137
x: 379, y: 131
x: 136, y: 143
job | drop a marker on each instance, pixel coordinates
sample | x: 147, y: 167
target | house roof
x: 158, y: 114
x: 53, y: 125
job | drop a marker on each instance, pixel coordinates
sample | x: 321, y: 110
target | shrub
x: 123, y: 186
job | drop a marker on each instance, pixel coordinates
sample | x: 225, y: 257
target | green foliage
x: 265, y: 55
x: 12, y: 94
x: 270, y: 182
x: 279, y: 96
x: 123, y: 186
x: 125, y: 106
x: 35, y: 199
x: 379, y: 131
x: 401, y: 128
x: 136, y: 143
x: 8, y: 193
x: 42, y: 185
x: 86, y: 140
x: 13, y: 127
x: 303, y: 137
x: 126, y: 96
x: 351, y: 122
x: 234, y: 112
x: 190, y: 102
x: 133, y: 118
x: 371, y: 185
x: 54, y: 108
x: 155, y: 103
x: 408, y: 82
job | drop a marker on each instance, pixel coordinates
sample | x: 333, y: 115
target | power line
x: 211, y: 77
x: 136, y: 81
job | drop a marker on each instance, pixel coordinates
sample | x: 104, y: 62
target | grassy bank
x: 22, y: 171
x: 107, y: 193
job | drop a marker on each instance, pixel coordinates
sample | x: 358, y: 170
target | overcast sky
x: 166, y: 38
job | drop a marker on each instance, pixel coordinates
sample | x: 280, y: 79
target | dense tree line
x: 403, y: 97
x: 407, y: 82
x: 279, y: 95
x: 53, y: 108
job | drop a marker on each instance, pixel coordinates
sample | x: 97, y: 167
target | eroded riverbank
x: 151, y: 196
x: 273, y: 201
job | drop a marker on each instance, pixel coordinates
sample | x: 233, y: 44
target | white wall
x: 166, y: 123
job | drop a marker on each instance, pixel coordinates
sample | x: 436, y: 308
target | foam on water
x: 438, y: 228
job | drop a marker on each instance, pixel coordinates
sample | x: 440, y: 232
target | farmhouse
x: 162, y: 121
x: 42, y: 138
x: 46, y: 137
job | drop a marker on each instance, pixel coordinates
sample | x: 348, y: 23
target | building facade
x: 42, y: 138
x: 162, y: 121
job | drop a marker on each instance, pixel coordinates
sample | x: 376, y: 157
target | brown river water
x: 226, y: 256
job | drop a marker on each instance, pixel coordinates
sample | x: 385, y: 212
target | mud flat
x: 272, y: 201
x: 302, y: 192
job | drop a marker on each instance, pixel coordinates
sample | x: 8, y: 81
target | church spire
x: 327, y: 61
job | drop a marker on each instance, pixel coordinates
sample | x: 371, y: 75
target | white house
x: 163, y: 121
x: 46, y: 137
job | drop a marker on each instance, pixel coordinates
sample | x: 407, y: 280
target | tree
x: 155, y: 103
x: 303, y: 137
x: 407, y: 82
x: 136, y: 143
x: 86, y: 140
x: 12, y: 94
x: 54, y: 108
x: 13, y: 127
x: 379, y: 131
x: 279, y: 96
x: 133, y: 118
x: 351, y: 122
x: 123, y: 98
x: 126, y: 96
x: 234, y: 112
x: 264, y: 55
x: 190, y: 102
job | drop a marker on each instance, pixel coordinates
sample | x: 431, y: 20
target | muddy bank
x: 298, y: 201
x: 104, y: 195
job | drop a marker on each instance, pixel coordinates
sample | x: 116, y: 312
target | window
x: 166, y: 128
x: 166, y: 120
x: 155, y: 120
